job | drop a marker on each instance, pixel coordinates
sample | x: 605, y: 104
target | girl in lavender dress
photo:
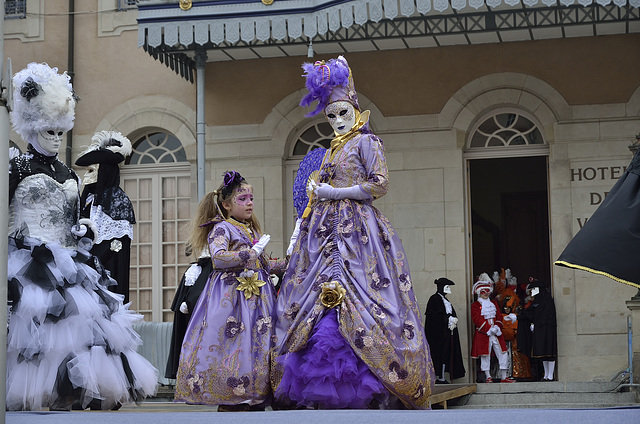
x: 349, y: 333
x: 224, y: 359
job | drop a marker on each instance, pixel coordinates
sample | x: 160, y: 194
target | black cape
x: 190, y: 295
x: 523, y: 336
x: 444, y: 344
x: 607, y: 243
x: 542, y: 342
x: 117, y: 205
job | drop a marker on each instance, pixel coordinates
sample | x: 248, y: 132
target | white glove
x: 494, y: 331
x: 192, y: 274
x: 294, y: 237
x: 531, y: 328
x: 79, y: 230
x: 513, y: 317
x: 184, y: 308
x: 334, y: 193
x: 453, y: 323
x: 313, y: 187
x: 261, y: 244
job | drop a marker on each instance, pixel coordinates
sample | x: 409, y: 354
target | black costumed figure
x: 607, y: 243
x: 441, y: 327
x: 349, y: 333
x: 542, y: 332
x: 187, y: 294
x: 70, y: 343
x: 108, y: 206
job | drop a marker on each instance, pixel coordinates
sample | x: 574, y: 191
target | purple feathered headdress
x: 328, y: 82
x: 231, y: 181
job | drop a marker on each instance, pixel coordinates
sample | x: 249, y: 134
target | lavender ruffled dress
x: 225, y: 353
x: 372, y: 346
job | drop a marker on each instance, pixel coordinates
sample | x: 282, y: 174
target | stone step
x: 164, y: 394
x: 548, y: 387
x: 542, y: 406
x: 547, y: 395
x: 550, y: 398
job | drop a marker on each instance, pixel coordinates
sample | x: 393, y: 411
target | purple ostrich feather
x: 321, y: 79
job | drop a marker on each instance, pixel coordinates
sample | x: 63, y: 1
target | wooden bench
x: 444, y: 392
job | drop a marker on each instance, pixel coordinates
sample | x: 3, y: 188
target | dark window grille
x: 157, y: 147
x: 126, y: 4
x: 15, y: 9
x: 506, y: 129
x: 317, y: 135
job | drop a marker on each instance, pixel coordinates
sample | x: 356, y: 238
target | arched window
x: 505, y: 129
x: 157, y: 147
x: 317, y: 135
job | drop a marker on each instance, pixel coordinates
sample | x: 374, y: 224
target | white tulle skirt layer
x: 70, y: 343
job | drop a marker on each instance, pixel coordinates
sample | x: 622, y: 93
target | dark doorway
x: 510, y: 218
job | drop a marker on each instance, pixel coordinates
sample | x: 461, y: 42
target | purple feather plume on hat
x: 322, y: 78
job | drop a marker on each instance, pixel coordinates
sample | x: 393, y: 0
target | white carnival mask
x: 446, y: 289
x: 91, y: 176
x: 341, y: 116
x: 50, y: 140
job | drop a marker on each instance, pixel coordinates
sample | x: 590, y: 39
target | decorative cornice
x: 233, y: 21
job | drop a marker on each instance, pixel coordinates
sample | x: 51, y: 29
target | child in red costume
x: 487, y: 319
x: 521, y: 369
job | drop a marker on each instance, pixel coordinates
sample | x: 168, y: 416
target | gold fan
x: 315, y: 177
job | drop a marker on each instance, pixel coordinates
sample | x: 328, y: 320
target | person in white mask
x: 349, y: 333
x: 541, y: 316
x: 487, y: 337
x: 70, y: 342
x: 441, y: 328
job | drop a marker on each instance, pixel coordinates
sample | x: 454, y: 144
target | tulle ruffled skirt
x: 70, y: 343
x: 327, y: 374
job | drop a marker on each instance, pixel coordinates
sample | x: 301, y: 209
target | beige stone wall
x: 110, y: 72
x: 589, y: 153
x: 584, y: 71
x: 584, y: 92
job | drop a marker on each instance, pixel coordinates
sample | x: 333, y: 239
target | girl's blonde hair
x: 211, y: 211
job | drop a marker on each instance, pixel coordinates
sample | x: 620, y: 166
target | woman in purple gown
x: 349, y: 333
x: 224, y: 359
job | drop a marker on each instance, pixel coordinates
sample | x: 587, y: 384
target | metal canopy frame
x: 180, y: 57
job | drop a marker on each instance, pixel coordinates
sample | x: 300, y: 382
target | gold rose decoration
x: 332, y: 294
x: 249, y: 284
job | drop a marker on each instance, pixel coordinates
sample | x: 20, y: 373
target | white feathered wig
x: 111, y: 140
x: 484, y: 282
x: 43, y: 100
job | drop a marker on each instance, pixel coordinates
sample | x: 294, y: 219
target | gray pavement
x: 187, y: 414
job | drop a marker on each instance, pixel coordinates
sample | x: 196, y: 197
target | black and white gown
x: 70, y: 343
